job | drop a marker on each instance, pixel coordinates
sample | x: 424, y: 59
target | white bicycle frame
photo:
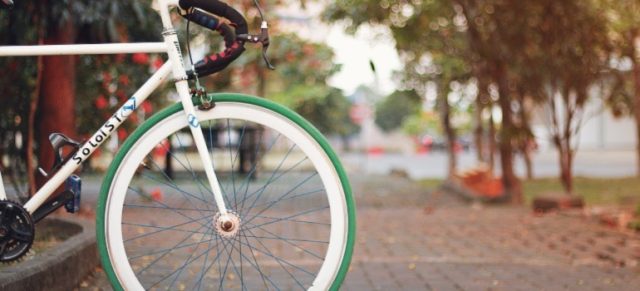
x: 174, y: 65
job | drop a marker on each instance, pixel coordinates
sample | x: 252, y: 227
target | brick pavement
x: 413, y: 239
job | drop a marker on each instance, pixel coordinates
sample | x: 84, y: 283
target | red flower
x: 101, y: 102
x: 290, y: 57
x: 147, y: 107
x: 106, y: 77
x: 140, y: 58
x: 120, y: 58
x: 122, y: 134
x: 124, y: 79
x: 308, y: 50
x: 157, y: 63
x: 121, y: 95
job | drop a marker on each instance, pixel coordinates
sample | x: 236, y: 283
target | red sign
x: 359, y: 113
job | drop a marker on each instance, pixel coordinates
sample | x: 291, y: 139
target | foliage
x: 424, y: 122
x: 623, y: 29
x: 32, y: 22
x: 108, y: 82
x: 430, y: 35
x: 325, y: 107
x: 299, y: 81
x: 393, y: 110
x: 529, y: 50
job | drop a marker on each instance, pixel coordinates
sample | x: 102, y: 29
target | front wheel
x: 293, y: 213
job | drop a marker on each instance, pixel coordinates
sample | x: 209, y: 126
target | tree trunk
x: 445, y: 118
x: 636, y: 80
x: 57, y: 96
x: 30, y: 144
x: 526, y: 147
x: 33, y: 107
x: 566, y: 171
x: 528, y: 163
x: 561, y: 140
x: 491, y: 152
x: 509, y: 180
x: 478, y: 132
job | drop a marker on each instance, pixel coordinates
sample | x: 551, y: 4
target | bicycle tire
x: 274, y: 267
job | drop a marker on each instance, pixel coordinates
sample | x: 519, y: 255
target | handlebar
x: 236, y: 34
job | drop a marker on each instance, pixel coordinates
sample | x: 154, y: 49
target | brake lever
x: 266, y: 59
x: 264, y: 36
x: 262, y: 39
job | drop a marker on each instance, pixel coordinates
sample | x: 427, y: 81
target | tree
x: 573, y: 53
x: 394, y: 109
x: 52, y: 81
x: 325, y: 107
x: 431, y: 41
x: 624, y: 30
x: 299, y: 82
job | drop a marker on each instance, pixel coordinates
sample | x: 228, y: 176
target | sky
x: 353, y: 52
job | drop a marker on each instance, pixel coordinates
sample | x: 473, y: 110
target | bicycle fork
x: 182, y: 86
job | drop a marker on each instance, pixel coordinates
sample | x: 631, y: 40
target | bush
x: 393, y: 110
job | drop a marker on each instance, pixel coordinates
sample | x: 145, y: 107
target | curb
x: 59, y: 268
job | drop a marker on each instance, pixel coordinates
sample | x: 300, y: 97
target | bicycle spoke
x: 233, y: 185
x: 167, y: 249
x: 280, y: 261
x: 188, y: 261
x: 167, y: 207
x: 167, y: 252
x: 257, y: 266
x: 161, y: 229
x: 277, y: 188
x: 204, y: 264
x: 292, y: 197
x: 175, y: 187
x: 185, y: 264
x: 195, y: 177
x: 287, y: 240
x: 270, y: 181
x: 281, y: 197
x: 288, y: 218
x: 247, y: 179
x: 158, y: 207
x: 226, y: 267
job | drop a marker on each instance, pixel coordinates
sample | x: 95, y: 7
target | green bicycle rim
x: 238, y: 98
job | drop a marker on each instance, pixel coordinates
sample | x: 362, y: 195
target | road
x: 434, y: 164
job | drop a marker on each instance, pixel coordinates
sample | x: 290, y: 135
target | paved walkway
x: 413, y: 239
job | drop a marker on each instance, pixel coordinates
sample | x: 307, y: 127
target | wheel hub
x: 17, y: 231
x: 227, y: 225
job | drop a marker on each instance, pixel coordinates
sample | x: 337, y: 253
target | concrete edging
x: 58, y: 268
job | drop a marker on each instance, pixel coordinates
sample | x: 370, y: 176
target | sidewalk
x: 410, y: 238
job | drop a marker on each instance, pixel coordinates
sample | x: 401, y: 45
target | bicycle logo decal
x: 128, y: 107
x: 193, y: 121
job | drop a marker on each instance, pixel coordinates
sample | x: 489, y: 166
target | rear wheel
x: 293, y: 217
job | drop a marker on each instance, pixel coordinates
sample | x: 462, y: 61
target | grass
x: 595, y: 191
x: 430, y: 183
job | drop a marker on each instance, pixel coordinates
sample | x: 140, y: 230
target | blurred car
x: 440, y: 143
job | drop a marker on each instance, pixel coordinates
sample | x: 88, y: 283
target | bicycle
x: 291, y: 227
